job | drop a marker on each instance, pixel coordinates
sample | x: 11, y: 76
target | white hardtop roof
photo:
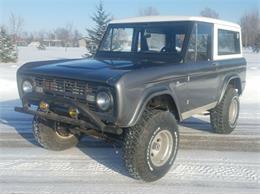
x: 145, y: 19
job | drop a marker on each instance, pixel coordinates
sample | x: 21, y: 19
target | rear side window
x: 228, y: 42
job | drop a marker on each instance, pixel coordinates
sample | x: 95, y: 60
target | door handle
x: 215, y: 65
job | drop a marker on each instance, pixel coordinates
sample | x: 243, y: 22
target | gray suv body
x: 148, y: 73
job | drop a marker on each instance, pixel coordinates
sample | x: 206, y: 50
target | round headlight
x: 27, y: 86
x: 104, y: 100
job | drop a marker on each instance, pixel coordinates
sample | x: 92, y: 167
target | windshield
x: 159, y: 39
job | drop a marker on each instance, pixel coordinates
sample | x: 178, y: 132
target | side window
x: 200, y: 44
x: 151, y: 40
x: 179, y: 39
x: 228, y: 42
x: 156, y: 41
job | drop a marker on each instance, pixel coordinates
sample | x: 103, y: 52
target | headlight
x: 104, y: 100
x: 27, y: 86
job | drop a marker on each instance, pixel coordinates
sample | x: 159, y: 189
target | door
x: 202, y: 84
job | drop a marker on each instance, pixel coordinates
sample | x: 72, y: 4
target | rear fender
x: 227, y: 81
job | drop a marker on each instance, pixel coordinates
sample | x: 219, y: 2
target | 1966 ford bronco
x: 147, y: 74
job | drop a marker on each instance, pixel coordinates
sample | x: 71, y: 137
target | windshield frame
x: 144, y: 55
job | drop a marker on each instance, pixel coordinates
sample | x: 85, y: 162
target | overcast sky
x: 49, y: 14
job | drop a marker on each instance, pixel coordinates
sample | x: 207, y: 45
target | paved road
x: 206, y: 162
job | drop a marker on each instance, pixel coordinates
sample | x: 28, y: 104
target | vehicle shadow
x: 107, y: 154
x: 20, y: 122
x: 197, y: 124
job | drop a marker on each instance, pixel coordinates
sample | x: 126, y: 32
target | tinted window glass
x: 179, y: 40
x: 156, y: 41
x: 200, y: 44
x: 166, y: 39
x: 191, y: 50
x: 228, y: 42
x: 204, y: 41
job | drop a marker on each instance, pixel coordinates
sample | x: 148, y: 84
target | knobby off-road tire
x: 46, y: 135
x: 224, y: 116
x: 150, y: 147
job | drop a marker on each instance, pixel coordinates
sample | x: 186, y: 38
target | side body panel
x: 136, y: 88
x: 193, y: 87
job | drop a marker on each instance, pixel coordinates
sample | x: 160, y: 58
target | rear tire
x: 150, y: 147
x: 46, y: 134
x: 224, y: 116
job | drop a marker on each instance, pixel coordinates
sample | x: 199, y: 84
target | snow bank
x: 8, y: 87
x: 8, y: 90
x: 27, y: 54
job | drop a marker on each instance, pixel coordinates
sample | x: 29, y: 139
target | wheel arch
x: 162, y: 95
x: 234, y: 81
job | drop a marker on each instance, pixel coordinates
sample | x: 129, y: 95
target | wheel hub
x: 156, y: 146
x: 62, y: 132
x: 161, y: 148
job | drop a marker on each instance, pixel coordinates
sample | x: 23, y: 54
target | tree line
x: 250, y: 25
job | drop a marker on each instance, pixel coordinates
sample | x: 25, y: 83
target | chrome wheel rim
x: 233, y: 111
x: 161, y: 148
x: 63, y: 133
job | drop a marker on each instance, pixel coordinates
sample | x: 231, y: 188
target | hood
x: 81, y: 69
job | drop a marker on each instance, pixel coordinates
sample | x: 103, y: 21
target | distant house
x: 34, y: 44
x: 82, y: 42
x: 86, y: 43
x: 53, y: 43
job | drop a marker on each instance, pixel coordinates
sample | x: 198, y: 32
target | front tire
x: 49, y: 137
x: 224, y: 117
x: 151, y: 146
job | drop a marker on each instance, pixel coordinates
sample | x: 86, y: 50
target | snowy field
x: 206, y: 162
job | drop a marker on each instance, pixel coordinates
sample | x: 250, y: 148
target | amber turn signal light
x: 44, y: 106
x: 73, y: 112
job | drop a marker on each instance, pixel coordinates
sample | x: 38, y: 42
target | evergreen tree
x: 101, y: 19
x: 8, y: 51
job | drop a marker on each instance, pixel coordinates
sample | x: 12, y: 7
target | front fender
x: 138, y: 109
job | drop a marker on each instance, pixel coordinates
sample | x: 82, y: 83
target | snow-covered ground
x: 8, y: 87
x: 206, y: 163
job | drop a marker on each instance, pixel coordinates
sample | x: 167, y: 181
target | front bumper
x: 93, y: 121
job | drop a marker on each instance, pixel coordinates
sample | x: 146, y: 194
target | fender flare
x: 143, y: 102
x: 225, y: 85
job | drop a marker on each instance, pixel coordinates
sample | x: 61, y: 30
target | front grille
x: 68, y: 88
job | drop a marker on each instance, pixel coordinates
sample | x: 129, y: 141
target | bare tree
x: 149, y: 11
x: 250, y: 26
x: 69, y: 37
x: 65, y: 34
x: 75, y: 38
x: 16, y: 24
x: 208, y: 12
